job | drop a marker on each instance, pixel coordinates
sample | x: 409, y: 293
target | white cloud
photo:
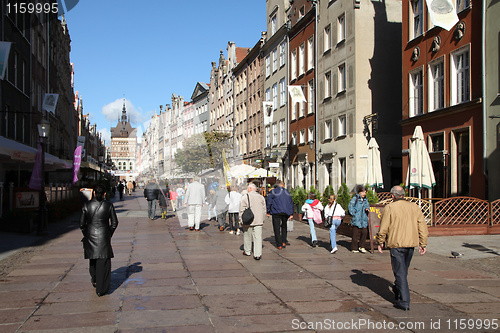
x: 106, y: 135
x: 113, y: 111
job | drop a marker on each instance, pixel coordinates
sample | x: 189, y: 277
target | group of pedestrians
x: 402, y: 226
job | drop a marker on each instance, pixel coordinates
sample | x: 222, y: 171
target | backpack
x: 317, y: 218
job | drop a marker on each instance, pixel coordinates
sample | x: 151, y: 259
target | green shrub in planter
x: 299, y: 196
x: 326, y: 194
x: 371, y: 195
x: 343, y: 197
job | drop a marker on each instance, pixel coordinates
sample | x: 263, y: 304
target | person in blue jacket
x: 280, y: 205
x: 359, y: 208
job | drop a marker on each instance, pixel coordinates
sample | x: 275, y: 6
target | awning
x: 17, y: 151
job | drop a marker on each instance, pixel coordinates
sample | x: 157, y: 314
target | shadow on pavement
x: 122, y: 275
x: 481, y: 248
x: 373, y: 282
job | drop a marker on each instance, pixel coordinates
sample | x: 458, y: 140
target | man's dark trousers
x: 151, y: 209
x: 400, y: 261
x: 280, y: 228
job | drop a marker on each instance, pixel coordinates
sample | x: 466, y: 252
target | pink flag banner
x: 36, y: 174
x: 76, y: 163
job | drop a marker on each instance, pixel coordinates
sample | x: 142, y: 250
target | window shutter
x: 334, y: 35
x: 321, y: 46
x: 335, y: 127
x: 334, y: 87
x: 322, y: 90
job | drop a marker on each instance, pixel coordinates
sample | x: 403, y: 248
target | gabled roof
x: 200, y: 89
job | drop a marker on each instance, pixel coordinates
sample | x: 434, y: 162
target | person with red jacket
x: 308, y: 208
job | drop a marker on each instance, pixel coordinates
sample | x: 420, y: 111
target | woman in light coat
x: 336, y: 212
x: 233, y: 199
x: 310, y: 204
x: 253, y: 232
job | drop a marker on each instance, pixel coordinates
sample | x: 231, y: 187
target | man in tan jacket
x: 402, y: 228
x: 253, y: 232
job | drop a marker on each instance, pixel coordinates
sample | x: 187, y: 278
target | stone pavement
x: 169, y: 279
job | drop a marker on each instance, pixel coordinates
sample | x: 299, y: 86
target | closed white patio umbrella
x: 420, y: 172
x: 373, y: 173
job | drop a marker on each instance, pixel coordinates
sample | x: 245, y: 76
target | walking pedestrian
x: 173, y: 199
x: 309, y: 208
x: 335, y: 213
x: 98, y: 222
x: 120, y: 189
x: 151, y: 192
x: 210, y: 201
x: 359, y: 209
x: 253, y: 232
x: 221, y: 206
x: 195, y: 194
x: 280, y: 205
x: 402, y: 228
x: 233, y: 199
x: 163, y: 199
x: 130, y: 187
x: 180, y: 197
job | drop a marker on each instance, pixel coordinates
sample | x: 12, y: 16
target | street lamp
x: 43, y: 133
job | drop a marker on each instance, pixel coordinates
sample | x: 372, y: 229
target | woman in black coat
x: 97, y: 231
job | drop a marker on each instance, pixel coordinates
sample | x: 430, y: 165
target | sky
x: 145, y: 51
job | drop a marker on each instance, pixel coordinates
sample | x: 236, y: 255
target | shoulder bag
x: 329, y: 219
x: 247, y: 216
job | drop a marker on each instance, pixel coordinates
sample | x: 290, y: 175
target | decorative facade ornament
x: 436, y: 44
x: 460, y: 30
x: 416, y: 54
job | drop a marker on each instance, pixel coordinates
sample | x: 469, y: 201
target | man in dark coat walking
x: 151, y: 192
x: 97, y: 232
x: 280, y: 205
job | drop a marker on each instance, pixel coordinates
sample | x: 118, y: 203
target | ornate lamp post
x: 43, y: 133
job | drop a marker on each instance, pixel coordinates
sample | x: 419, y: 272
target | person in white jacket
x: 310, y: 204
x: 336, y: 212
x: 233, y: 199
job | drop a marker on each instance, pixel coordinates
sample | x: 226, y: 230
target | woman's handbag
x: 329, y: 219
x: 328, y: 222
x: 247, y: 216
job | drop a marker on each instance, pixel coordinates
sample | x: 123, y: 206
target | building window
x: 282, y: 92
x: 274, y: 24
x: 268, y: 95
x: 436, y: 91
x: 302, y: 105
x: 293, y: 65
x: 328, y: 39
x: 275, y: 96
x: 417, y: 23
x: 460, y: 77
x: 294, y: 111
x: 328, y: 85
x: 294, y: 139
x: 416, y: 93
x: 282, y: 131
x: 275, y: 60
x: 310, y: 134
x: 275, y: 134
x: 342, y: 78
x: 310, y: 53
x: 328, y: 129
x: 343, y: 170
x: 463, y: 163
x: 282, y: 54
x: 342, y: 126
x: 302, y: 136
x: 302, y: 55
x: 341, y: 28
x: 462, y: 4
x: 302, y: 12
x: 310, y: 95
x: 268, y: 66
